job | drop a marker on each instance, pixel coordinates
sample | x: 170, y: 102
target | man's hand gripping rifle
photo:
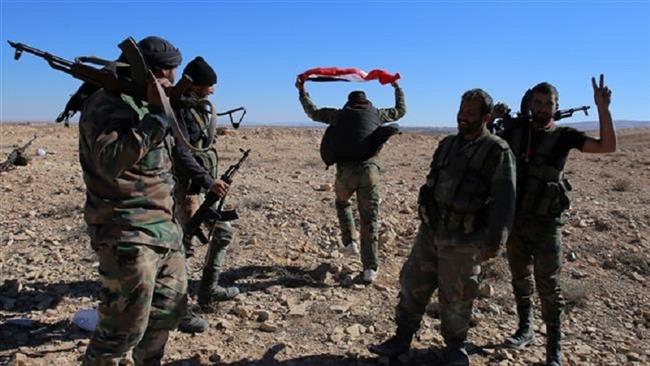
x: 207, y: 211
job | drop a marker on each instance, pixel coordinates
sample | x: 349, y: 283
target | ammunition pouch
x: 546, y: 193
x: 208, y: 160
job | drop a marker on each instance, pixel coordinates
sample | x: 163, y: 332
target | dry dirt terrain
x: 300, y: 303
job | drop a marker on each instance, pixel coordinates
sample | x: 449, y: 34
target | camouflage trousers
x: 362, y: 178
x: 143, y: 297
x: 222, y: 235
x: 534, y: 251
x: 453, y: 270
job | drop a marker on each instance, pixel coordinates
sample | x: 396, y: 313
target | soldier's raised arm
x: 115, y: 149
x: 325, y: 115
x: 399, y: 110
x: 607, y: 141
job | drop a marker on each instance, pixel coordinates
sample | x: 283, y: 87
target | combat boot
x: 455, y: 354
x: 217, y: 293
x: 553, y: 346
x: 191, y: 323
x: 394, y: 346
x: 524, y: 334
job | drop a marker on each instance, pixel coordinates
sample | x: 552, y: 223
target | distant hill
x: 593, y: 125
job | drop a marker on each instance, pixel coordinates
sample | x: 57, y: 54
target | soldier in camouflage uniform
x: 534, y: 247
x: 361, y: 176
x: 466, y: 207
x: 196, y: 172
x: 125, y: 155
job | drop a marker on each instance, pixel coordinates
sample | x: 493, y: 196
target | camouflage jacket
x: 125, y: 155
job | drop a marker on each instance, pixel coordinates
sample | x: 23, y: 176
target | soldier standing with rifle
x: 196, y: 172
x: 125, y: 155
x: 534, y: 247
x: 466, y: 208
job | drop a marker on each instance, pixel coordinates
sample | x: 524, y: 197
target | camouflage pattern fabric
x: 143, y: 297
x: 222, y: 236
x: 124, y: 153
x: 445, y: 256
x: 362, y: 178
x: 534, y: 250
x: 453, y: 270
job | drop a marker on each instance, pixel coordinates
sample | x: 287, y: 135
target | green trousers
x: 361, y: 178
x: 453, y: 270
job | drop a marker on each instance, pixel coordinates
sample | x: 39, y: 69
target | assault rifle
x: 16, y: 157
x: 112, y: 76
x: 506, y: 120
x: 206, y: 210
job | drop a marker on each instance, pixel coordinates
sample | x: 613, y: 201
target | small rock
x: 268, y: 327
x: 571, y: 257
x: 339, y: 308
x: 327, y: 187
x: 224, y: 324
x: 609, y: 264
x: 355, y: 330
x: 634, y: 357
x: 215, y: 358
x: 298, y: 309
x: 262, y: 315
x: 486, y: 291
x: 637, y: 276
x: 19, y: 359
x: 241, y: 311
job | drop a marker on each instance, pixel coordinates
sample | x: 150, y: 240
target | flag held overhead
x: 347, y: 74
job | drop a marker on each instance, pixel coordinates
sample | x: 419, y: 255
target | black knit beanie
x: 200, y: 72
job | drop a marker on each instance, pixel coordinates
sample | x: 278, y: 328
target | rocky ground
x: 300, y: 303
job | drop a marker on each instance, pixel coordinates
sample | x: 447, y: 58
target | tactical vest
x: 350, y: 139
x: 208, y: 158
x: 542, y: 189
x: 459, y: 188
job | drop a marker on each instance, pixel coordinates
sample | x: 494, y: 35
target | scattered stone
x: 340, y: 308
x: 224, y: 324
x: 327, y: 187
x: 298, y: 309
x: 262, y: 315
x: 268, y: 327
x: 572, y: 257
x: 19, y: 359
x: 486, y: 290
x: 241, y: 311
x: 609, y: 264
x: 637, y: 276
x: 355, y: 330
